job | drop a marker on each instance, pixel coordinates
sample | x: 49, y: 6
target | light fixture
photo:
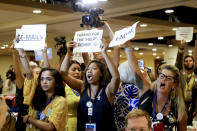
x: 143, y: 25
x: 89, y: 1
x: 154, y: 54
x: 174, y: 29
x: 160, y: 38
x: 136, y: 48
x: 37, y: 11
x: 3, y: 47
x: 141, y: 53
x: 190, y: 54
x: 109, y: 51
x: 170, y: 45
x: 120, y: 55
x: 157, y: 57
x: 190, y: 51
x: 150, y: 44
x: 169, y: 11
x: 154, y: 49
x: 188, y: 41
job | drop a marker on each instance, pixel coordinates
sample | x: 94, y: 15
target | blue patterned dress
x: 126, y: 99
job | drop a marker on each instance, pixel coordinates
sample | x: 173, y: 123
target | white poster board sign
x: 39, y: 55
x: 88, y: 40
x: 184, y: 33
x: 122, y: 36
x: 31, y: 37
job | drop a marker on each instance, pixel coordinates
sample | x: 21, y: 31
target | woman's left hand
x: 103, y: 46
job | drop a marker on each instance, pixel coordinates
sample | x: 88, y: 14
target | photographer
x: 10, y: 83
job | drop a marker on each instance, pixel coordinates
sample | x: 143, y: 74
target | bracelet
x: 128, y: 49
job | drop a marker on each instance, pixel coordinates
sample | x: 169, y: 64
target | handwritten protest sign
x: 121, y: 36
x: 39, y: 55
x: 31, y: 37
x: 184, y: 33
x: 88, y: 40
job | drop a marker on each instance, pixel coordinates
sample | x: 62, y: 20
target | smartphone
x: 141, y: 65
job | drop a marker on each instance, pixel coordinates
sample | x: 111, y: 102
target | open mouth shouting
x: 162, y: 86
x: 89, y: 77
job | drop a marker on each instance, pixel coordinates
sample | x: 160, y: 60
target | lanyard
x: 154, y: 106
x: 90, y: 104
x: 39, y: 113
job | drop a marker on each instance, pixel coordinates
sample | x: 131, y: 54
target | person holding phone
x: 163, y: 100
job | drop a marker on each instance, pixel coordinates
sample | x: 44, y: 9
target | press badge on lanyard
x: 90, y: 126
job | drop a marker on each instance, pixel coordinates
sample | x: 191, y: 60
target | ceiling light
x: 2, y: 47
x: 136, y: 48
x: 5, y: 45
x: 154, y: 49
x: 188, y: 40
x: 89, y: 1
x: 150, y: 44
x: 157, y: 57
x: 169, y: 11
x: 154, y: 54
x: 108, y: 50
x: 190, y: 54
x: 174, y: 29
x: 141, y: 53
x: 160, y: 38
x: 170, y: 45
x: 37, y: 11
x: 120, y: 55
x: 190, y: 51
x: 143, y: 25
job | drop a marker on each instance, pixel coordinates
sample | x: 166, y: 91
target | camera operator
x: 10, y: 83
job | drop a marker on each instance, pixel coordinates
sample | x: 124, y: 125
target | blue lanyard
x: 154, y: 106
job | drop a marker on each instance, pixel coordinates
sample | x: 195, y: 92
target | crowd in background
x: 101, y: 95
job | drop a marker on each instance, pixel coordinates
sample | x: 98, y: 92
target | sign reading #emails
x: 88, y: 40
x: 123, y: 35
x: 31, y: 37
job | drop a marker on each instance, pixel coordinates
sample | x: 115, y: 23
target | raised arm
x: 45, y: 57
x: 141, y: 82
x: 116, y: 50
x: 25, y: 63
x: 72, y: 82
x: 112, y: 87
x: 179, y: 58
x: 195, y: 55
x: 17, y: 69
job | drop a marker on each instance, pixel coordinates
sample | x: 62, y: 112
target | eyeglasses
x: 168, y: 78
x: 138, y: 129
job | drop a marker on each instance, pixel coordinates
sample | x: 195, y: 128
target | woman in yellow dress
x: 73, y: 96
x: 45, y: 96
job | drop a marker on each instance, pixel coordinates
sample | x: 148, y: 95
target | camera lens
x: 87, y: 20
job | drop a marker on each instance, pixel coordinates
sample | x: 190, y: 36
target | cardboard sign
x: 39, y: 55
x: 184, y: 33
x: 122, y: 36
x: 88, y: 40
x: 31, y: 37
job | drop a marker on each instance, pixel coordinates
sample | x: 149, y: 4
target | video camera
x: 61, y: 42
x: 93, y: 18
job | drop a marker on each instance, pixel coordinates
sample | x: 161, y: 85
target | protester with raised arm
x: 97, y: 93
x: 163, y: 100
x: 45, y: 96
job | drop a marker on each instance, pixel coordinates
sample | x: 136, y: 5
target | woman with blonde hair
x: 164, y: 99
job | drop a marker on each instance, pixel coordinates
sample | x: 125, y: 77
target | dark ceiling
x: 182, y: 14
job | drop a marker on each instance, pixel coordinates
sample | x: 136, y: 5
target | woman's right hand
x: 70, y: 45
